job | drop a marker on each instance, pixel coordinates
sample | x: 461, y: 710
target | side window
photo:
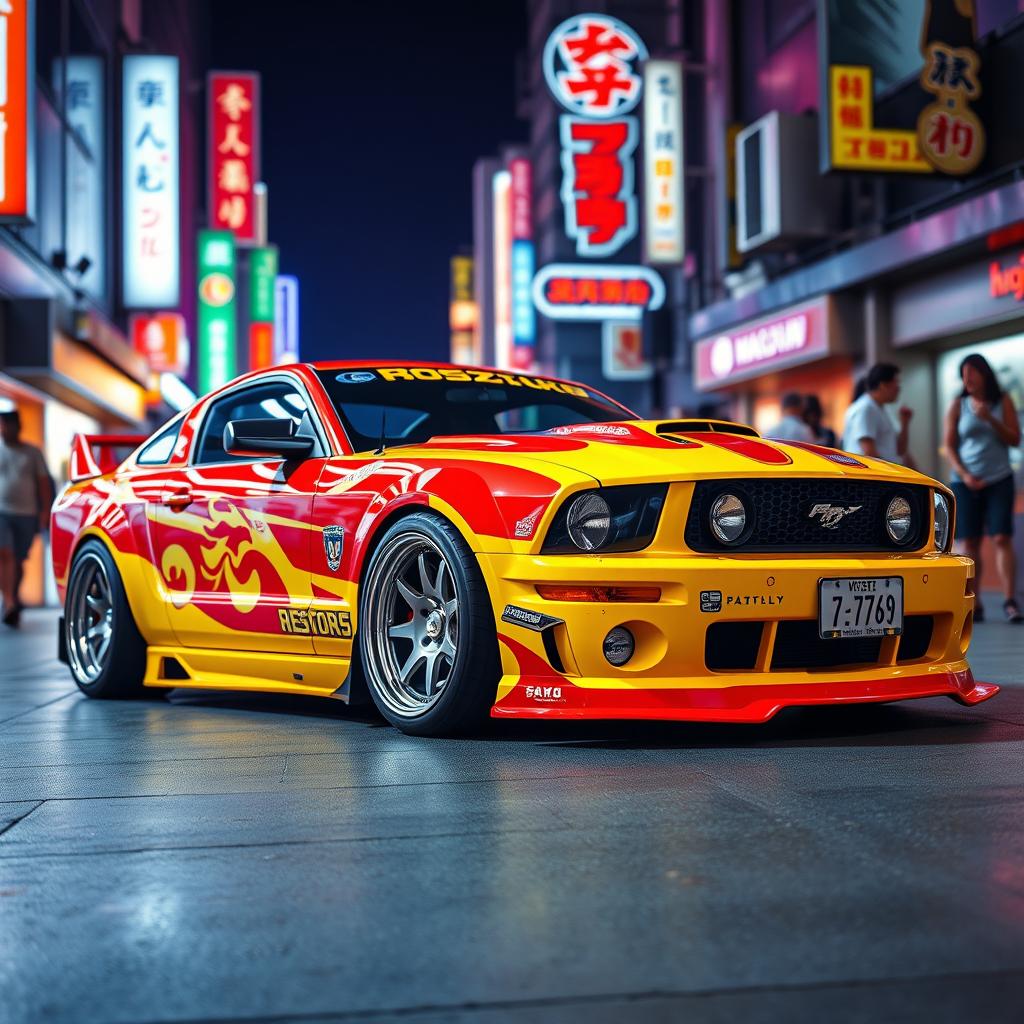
x: 159, y: 449
x: 274, y: 400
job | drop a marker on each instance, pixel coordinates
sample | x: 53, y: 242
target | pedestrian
x: 867, y: 428
x: 813, y: 415
x: 981, y: 428
x: 792, y: 427
x: 26, y: 495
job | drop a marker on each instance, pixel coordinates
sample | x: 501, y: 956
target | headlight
x: 589, y: 522
x: 942, y: 518
x: 609, y: 519
x: 899, y: 520
x: 728, y: 518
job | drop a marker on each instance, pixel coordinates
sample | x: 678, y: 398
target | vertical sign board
x: 161, y: 338
x: 286, y: 319
x: 664, y: 213
x: 217, y: 359
x: 590, y: 67
x: 591, y: 64
x: 524, y: 325
x: 462, y: 312
x: 17, y: 111
x: 150, y: 222
x: 501, y: 188
x: 83, y: 104
x: 262, y: 275
x: 233, y: 151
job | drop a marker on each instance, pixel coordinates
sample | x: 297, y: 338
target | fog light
x: 619, y: 646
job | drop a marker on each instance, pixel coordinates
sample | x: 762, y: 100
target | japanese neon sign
x: 664, y: 225
x: 591, y: 67
x: 150, y: 230
x: 575, y: 291
x: 856, y: 144
x: 233, y: 151
x: 524, y: 321
x: 17, y: 114
x: 217, y: 356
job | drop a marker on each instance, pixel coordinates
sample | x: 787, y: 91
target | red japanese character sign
x: 579, y: 291
x: 590, y: 63
x: 597, y: 184
x: 233, y: 117
x: 951, y: 135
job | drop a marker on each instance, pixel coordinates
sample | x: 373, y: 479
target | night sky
x: 373, y: 114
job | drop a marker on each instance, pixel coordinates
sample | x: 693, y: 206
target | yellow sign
x: 856, y: 143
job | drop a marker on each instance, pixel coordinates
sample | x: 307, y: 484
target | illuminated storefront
x: 68, y: 280
x: 806, y: 349
x: 938, y: 318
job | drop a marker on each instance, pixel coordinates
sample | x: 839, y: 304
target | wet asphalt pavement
x: 221, y: 857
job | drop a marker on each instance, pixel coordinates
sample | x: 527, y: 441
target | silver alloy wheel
x: 412, y: 618
x: 90, y: 618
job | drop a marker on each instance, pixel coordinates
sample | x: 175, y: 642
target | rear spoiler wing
x: 96, y: 454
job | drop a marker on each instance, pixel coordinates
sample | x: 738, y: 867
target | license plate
x: 860, y: 606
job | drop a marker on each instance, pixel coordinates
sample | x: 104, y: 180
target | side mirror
x: 266, y: 437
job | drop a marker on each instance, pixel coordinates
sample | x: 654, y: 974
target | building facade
x: 67, y: 359
x: 851, y: 193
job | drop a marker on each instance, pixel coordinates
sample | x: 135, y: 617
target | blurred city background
x: 697, y: 206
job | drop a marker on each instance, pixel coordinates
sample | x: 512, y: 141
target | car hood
x: 652, y: 451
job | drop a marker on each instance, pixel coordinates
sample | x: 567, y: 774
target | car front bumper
x: 559, y: 671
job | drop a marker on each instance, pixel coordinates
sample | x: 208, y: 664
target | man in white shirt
x: 26, y: 495
x: 792, y: 426
x: 868, y: 429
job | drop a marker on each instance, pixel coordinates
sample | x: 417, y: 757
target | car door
x: 233, y: 532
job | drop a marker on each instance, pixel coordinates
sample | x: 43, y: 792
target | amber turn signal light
x: 600, y: 594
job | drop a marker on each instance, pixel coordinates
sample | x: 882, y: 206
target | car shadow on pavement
x: 927, y: 722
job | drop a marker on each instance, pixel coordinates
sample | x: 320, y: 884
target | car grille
x: 798, y: 646
x: 781, y: 520
x: 734, y: 646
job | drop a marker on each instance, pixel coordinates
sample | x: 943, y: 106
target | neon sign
x: 150, y: 232
x: 233, y: 151
x: 575, y: 291
x: 590, y: 65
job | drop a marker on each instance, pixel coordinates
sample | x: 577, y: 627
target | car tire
x: 106, y: 652
x: 427, y: 642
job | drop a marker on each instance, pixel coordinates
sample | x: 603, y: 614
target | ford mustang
x: 455, y: 542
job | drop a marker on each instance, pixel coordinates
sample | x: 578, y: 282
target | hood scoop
x: 705, y: 427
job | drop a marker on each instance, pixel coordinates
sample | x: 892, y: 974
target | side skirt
x: 202, y: 668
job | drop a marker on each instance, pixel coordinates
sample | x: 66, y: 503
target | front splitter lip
x: 740, y: 704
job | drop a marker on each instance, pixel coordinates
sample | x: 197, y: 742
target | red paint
x: 756, y: 703
x: 748, y: 447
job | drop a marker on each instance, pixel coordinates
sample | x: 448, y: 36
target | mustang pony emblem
x: 832, y: 515
x: 334, y: 541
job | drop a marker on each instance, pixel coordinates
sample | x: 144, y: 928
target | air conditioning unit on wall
x: 781, y: 197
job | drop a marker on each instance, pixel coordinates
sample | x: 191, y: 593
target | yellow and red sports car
x: 456, y: 541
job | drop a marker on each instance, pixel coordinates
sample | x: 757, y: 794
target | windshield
x: 411, y: 405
